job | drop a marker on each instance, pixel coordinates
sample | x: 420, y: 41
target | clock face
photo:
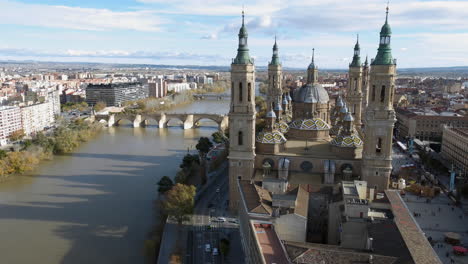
x: 243, y: 41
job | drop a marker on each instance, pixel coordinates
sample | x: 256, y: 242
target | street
x: 206, y: 229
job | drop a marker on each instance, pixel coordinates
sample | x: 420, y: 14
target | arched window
x: 382, y: 94
x: 373, y: 92
x: 232, y: 90
x: 354, y: 109
x: 249, y: 92
x: 355, y: 84
x: 378, y: 147
x: 240, y: 92
x: 240, y: 139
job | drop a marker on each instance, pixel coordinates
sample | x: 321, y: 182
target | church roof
x: 270, y: 137
x: 343, y: 140
x: 310, y: 124
x: 311, y: 93
x: 282, y: 126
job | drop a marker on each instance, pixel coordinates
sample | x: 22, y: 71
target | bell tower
x: 354, y: 94
x: 380, y: 115
x: 241, y: 118
x: 275, y: 77
x: 312, y: 71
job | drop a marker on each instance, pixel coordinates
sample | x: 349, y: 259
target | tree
x: 218, y: 137
x: 180, y: 202
x: 17, y: 135
x: 3, y: 154
x: 204, y: 145
x: 224, y: 247
x: 165, y: 184
x: 99, y: 106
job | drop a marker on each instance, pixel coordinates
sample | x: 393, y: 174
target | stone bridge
x: 189, y: 120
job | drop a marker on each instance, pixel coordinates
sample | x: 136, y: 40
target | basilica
x: 310, y: 139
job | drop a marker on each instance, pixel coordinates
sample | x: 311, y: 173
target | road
x: 206, y: 230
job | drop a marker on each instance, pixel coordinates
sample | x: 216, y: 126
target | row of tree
x: 64, y: 139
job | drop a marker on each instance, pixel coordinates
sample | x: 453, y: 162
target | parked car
x: 215, y: 252
x: 207, y: 247
x: 221, y: 219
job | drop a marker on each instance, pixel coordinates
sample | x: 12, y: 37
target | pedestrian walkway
x: 436, y: 218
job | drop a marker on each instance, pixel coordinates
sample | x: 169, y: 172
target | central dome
x: 311, y: 93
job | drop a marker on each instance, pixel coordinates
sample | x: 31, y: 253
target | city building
x: 157, y: 88
x: 426, y: 124
x: 455, y: 147
x: 178, y: 87
x: 36, y: 117
x: 10, y: 121
x: 115, y: 94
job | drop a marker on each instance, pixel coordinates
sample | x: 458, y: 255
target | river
x: 95, y: 205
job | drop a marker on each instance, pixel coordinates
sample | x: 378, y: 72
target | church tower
x: 354, y: 95
x: 241, y: 118
x: 312, y: 71
x: 380, y: 115
x: 365, y: 87
x: 275, y: 77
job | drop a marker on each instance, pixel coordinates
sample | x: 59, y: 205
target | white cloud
x: 56, y: 16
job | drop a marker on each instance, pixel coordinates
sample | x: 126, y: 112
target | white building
x: 38, y: 116
x: 178, y: 87
x: 10, y: 121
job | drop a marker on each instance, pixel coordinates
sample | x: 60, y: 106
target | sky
x: 204, y: 32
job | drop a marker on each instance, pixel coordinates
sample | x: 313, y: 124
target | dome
x: 310, y: 124
x: 289, y: 97
x: 282, y: 126
x: 285, y: 101
x: 344, y: 109
x: 339, y: 102
x: 347, y: 141
x: 311, y: 93
x: 270, y: 137
x: 278, y: 107
x: 348, y: 117
x: 271, y: 114
x: 386, y: 30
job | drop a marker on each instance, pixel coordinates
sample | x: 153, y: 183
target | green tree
x: 204, y: 145
x: 218, y: 137
x: 165, y: 184
x: 224, y: 247
x: 17, y: 135
x: 188, y: 160
x: 180, y: 201
x: 3, y: 154
x: 99, y: 106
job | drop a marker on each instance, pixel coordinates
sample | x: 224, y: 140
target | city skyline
x: 193, y: 32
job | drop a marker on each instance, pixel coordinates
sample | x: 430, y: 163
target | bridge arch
x: 177, y: 119
x: 120, y: 121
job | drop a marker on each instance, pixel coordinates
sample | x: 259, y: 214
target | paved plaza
x: 436, y: 218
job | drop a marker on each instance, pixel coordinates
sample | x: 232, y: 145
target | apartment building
x: 36, y: 117
x: 115, y: 94
x: 10, y: 121
x: 455, y: 147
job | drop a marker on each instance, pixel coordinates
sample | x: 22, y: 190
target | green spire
x: 356, y: 58
x: 275, y: 58
x: 384, y: 53
x: 312, y: 63
x: 243, y: 56
x: 366, y: 63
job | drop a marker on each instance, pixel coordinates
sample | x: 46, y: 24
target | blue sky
x: 204, y: 32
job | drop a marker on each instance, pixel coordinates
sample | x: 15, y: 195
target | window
x: 232, y: 90
x: 240, y: 139
x: 249, y: 92
x: 378, y: 147
x: 382, y: 94
x: 355, y: 84
x: 373, y: 92
x: 240, y: 92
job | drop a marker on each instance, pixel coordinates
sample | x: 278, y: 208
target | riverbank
x: 42, y: 147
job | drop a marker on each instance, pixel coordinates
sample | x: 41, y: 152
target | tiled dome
x: 282, y: 126
x: 347, y: 141
x: 270, y: 137
x: 310, y: 124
